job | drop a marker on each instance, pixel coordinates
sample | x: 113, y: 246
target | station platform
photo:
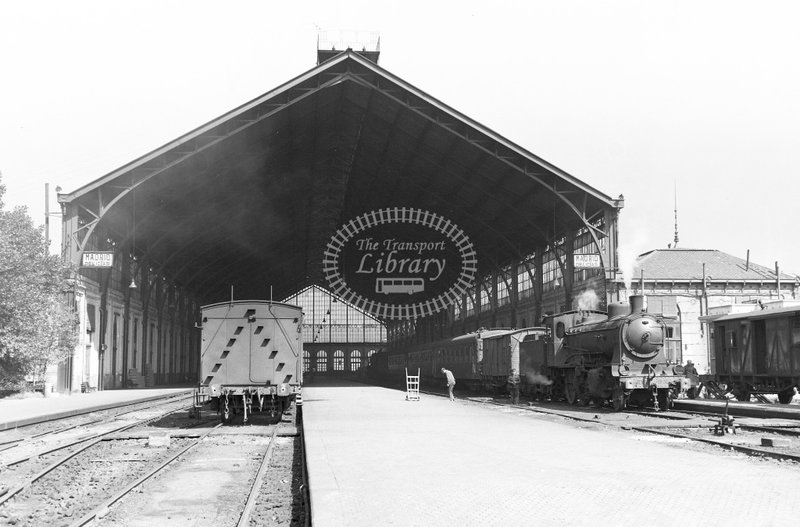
x: 21, y: 412
x: 376, y: 459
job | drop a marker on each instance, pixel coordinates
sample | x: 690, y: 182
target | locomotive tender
x: 251, y: 356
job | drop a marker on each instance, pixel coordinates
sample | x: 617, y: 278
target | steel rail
x: 11, y: 492
x: 255, y: 489
x: 739, y: 448
x: 23, y: 423
x: 93, y: 436
x: 102, y: 509
x: 170, y: 399
x: 305, y: 488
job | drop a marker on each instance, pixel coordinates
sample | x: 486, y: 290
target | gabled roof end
x: 332, y: 43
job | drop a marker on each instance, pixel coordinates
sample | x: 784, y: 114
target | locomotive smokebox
x: 637, y: 303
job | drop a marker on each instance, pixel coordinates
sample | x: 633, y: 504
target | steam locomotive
x: 619, y: 356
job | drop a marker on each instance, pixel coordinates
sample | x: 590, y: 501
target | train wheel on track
x: 786, y: 396
x: 618, y: 401
x: 571, y: 388
x: 664, y: 400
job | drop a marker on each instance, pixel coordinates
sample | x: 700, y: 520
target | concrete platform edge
x: 78, y: 411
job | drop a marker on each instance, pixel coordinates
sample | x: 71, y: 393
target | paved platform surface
x: 20, y: 412
x: 376, y: 459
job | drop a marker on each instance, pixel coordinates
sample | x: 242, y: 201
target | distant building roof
x: 687, y: 264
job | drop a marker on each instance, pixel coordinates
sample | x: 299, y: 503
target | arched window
x: 306, y: 361
x: 338, y: 360
x: 322, y: 361
x: 355, y: 360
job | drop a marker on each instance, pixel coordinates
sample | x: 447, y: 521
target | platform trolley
x: 412, y: 386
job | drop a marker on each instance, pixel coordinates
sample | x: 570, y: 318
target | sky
x: 688, y: 102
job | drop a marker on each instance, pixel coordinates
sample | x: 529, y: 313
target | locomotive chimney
x: 637, y: 303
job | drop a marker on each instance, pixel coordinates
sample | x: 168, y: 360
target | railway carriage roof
x: 252, y: 198
x: 760, y: 314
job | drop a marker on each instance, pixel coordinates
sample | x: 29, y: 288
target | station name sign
x: 400, y: 263
x: 97, y: 259
x: 587, y: 261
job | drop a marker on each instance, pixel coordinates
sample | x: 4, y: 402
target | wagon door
x: 759, y: 348
x: 261, y: 343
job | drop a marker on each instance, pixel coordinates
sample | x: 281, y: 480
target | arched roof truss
x: 250, y: 199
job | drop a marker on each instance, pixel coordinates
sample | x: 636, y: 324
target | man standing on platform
x: 513, y: 386
x: 451, y: 382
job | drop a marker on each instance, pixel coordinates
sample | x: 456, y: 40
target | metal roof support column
x: 493, y: 298
x: 513, y: 292
x: 611, y: 254
x: 145, y: 286
x: 126, y: 315
x: 569, y: 269
x: 538, y: 283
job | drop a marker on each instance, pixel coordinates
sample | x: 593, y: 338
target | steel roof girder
x: 512, y: 148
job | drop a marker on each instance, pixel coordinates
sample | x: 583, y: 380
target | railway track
x: 51, y: 426
x: 171, y: 465
x: 748, y: 435
x: 42, y: 443
x: 28, y: 472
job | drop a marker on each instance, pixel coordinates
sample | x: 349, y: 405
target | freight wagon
x: 251, y: 356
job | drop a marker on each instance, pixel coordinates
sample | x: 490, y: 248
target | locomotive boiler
x: 619, y: 356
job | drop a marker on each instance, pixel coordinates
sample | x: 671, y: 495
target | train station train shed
x: 251, y: 203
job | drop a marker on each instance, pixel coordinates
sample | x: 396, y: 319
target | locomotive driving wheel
x: 665, y: 399
x: 571, y: 389
x: 618, y: 399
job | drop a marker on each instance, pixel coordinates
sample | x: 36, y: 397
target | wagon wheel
x: 786, y: 396
x: 571, y: 391
x: 743, y: 395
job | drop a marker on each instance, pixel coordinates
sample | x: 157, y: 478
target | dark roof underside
x: 252, y: 198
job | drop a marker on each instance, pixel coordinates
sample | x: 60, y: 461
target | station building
x: 691, y: 285
x: 246, y: 206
